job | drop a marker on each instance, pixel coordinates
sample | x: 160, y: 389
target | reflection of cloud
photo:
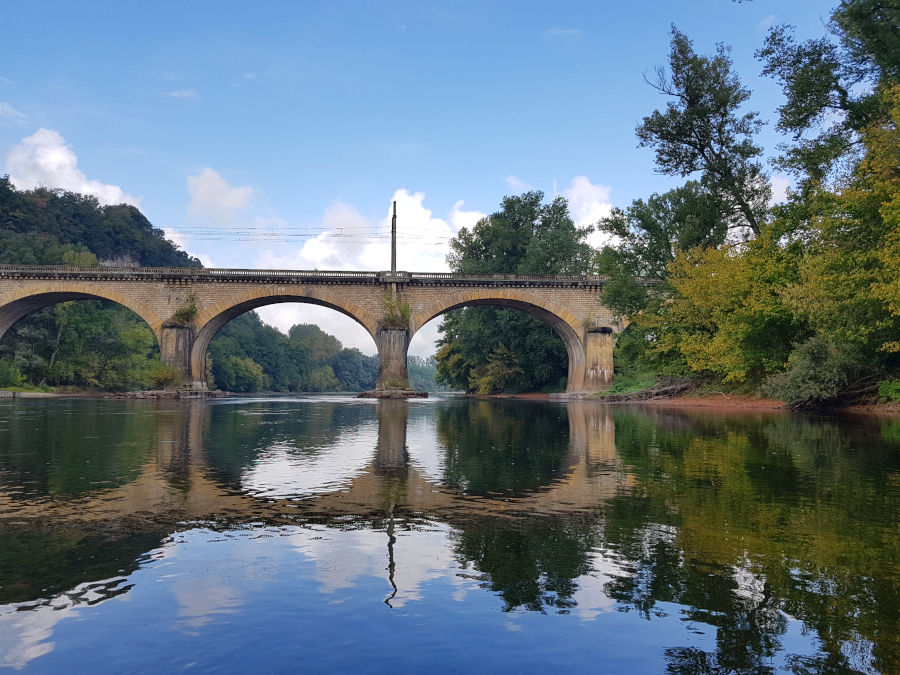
x: 201, y: 600
x: 281, y: 471
x: 26, y: 635
x: 26, y: 629
x: 420, y: 555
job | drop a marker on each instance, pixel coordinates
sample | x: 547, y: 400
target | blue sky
x: 314, y: 116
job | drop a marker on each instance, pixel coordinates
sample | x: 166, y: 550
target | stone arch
x: 27, y: 300
x: 563, y: 322
x: 211, y: 319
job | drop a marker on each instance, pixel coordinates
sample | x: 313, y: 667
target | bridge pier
x: 175, y: 344
x: 393, y: 344
x: 598, y: 351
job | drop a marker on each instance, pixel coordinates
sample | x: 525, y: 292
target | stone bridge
x: 185, y: 308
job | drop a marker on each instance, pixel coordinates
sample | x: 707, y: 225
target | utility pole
x: 394, y: 253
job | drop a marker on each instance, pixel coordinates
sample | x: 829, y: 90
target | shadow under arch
x: 211, y: 321
x: 561, y: 322
x: 14, y: 309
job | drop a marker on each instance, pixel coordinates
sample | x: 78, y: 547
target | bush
x: 889, y: 390
x: 10, y: 375
x: 163, y: 376
x: 818, y: 371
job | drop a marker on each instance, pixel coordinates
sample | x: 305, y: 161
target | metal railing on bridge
x: 292, y: 276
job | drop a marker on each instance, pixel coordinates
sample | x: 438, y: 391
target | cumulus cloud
x: 10, y: 114
x: 183, y: 94
x: 516, y: 184
x: 780, y: 185
x: 588, y: 203
x: 214, y: 199
x: 349, y: 241
x: 45, y: 159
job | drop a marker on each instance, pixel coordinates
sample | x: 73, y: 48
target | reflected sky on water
x: 457, y: 534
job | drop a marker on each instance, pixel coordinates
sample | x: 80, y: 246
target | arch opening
x: 95, y: 342
x: 563, y: 329
x: 299, y: 354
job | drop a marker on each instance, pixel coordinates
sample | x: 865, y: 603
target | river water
x: 457, y: 535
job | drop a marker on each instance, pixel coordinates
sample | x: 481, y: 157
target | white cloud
x: 45, y: 159
x: 516, y: 184
x: 7, y: 112
x: 767, y: 21
x: 6, y: 80
x: 588, y: 203
x: 780, y: 185
x: 214, y: 200
x: 346, y: 243
x: 183, y: 94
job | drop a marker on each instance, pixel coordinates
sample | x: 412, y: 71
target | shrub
x: 818, y: 371
x: 889, y: 390
x: 163, y: 376
x: 10, y: 375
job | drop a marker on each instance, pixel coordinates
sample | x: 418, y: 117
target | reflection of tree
x: 532, y: 563
x: 68, y: 455
x: 40, y: 564
x: 742, y: 521
x: 491, y: 447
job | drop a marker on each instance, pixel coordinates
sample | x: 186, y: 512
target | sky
x: 277, y: 134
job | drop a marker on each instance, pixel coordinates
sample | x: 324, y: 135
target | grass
x: 630, y: 382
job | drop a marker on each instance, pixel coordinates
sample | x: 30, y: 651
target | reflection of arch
x: 562, y: 321
x: 213, y: 318
x: 18, y: 305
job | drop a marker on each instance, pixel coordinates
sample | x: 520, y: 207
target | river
x: 327, y: 533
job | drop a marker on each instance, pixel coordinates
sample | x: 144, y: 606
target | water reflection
x: 744, y: 544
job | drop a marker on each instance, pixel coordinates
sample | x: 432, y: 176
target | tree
x: 525, y: 237
x: 648, y: 235
x: 830, y: 83
x: 701, y: 131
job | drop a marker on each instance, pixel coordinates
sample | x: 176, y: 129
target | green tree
x: 525, y: 237
x: 702, y: 131
x: 647, y: 237
x: 830, y: 83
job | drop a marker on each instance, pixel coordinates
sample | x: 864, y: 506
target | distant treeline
x: 101, y: 345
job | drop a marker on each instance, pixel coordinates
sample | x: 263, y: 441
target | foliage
x: 234, y: 373
x: 702, y: 131
x: 647, y: 236
x: 307, y: 359
x: 818, y: 371
x: 186, y: 313
x: 163, y: 376
x: 422, y: 373
x: 525, y: 237
x: 889, y: 390
x: 726, y: 314
x: 10, y: 375
x: 811, y: 305
x: 37, y: 221
x: 830, y: 83
x: 396, y: 312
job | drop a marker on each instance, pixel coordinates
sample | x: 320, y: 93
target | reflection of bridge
x: 390, y: 483
x: 570, y: 304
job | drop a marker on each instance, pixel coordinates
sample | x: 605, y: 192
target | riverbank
x: 150, y: 393
x: 718, y: 401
